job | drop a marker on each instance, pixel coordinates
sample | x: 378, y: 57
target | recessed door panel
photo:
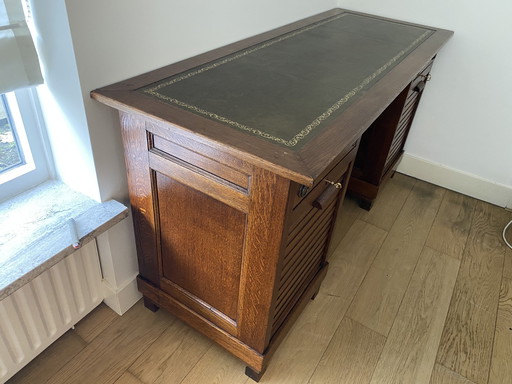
x: 201, y: 245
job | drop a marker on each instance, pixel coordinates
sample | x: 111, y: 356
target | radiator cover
x: 41, y: 311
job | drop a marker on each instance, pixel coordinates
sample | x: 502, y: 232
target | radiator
x: 41, y: 311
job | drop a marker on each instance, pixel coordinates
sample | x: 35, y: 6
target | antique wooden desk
x: 239, y: 158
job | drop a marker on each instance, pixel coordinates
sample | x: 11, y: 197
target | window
x: 14, y: 149
x: 23, y: 162
x: 23, y: 159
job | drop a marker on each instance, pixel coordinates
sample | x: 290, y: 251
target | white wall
x: 89, y: 44
x: 61, y: 99
x: 462, y: 133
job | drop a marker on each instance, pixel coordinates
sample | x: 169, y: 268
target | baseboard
x: 123, y: 298
x: 456, y: 180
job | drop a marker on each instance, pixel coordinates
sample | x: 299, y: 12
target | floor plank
x: 390, y: 201
x: 217, y: 366
x: 352, y: 259
x: 172, y: 356
x: 51, y: 360
x: 452, y: 224
x: 128, y: 378
x: 442, y: 375
x: 296, y: 358
x: 107, y: 357
x: 507, y: 268
x: 501, y: 366
x: 466, y: 344
x: 95, y: 322
x: 351, y: 356
x: 348, y: 212
x: 482, y: 264
x: 379, y: 297
x: 410, y: 351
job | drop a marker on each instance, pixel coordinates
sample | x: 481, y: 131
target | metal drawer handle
x: 337, y: 185
x: 426, y: 77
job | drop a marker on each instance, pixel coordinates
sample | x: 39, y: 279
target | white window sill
x: 34, y: 230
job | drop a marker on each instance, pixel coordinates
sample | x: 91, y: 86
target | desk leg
x: 150, y: 305
x: 256, y: 376
x: 366, y: 204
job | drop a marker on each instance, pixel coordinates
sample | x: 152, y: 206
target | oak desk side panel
x: 140, y: 188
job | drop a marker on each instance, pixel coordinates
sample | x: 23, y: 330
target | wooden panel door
x: 201, y: 242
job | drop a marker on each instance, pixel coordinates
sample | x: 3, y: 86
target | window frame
x: 26, y: 113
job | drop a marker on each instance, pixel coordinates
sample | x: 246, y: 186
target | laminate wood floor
x: 419, y: 291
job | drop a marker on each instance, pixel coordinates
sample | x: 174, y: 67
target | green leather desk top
x: 287, y: 89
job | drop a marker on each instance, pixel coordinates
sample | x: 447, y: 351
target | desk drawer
x: 201, y: 157
x: 323, y: 189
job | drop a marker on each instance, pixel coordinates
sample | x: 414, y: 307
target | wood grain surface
x: 451, y: 226
x: 442, y: 375
x: 411, y: 347
x: 352, y: 259
x: 390, y: 201
x: 172, y: 355
x: 379, y: 297
x: 467, y: 341
x: 351, y: 355
x: 107, y: 357
x: 501, y: 365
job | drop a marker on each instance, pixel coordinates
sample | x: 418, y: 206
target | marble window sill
x: 35, y: 234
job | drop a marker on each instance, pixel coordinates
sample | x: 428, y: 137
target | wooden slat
x: 391, y: 199
x: 351, y: 356
x: 393, y: 154
x: 411, y: 98
x: 289, y: 296
x: 296, y: 257
x: 501, y: 367
x: 309, y: 221
x: 108, y: 356
x: 442, y: 375
x: 407, y: 112
x: 410, y: 351
x: 381, y: 293
x: 303, y: 258
x: 452, y: 224
x: 172, y: 356
x: 305, y: 237
x: 466, y: 344
x: 300, y: 225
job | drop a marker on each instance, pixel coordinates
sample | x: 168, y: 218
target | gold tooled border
x: 310, y: 127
